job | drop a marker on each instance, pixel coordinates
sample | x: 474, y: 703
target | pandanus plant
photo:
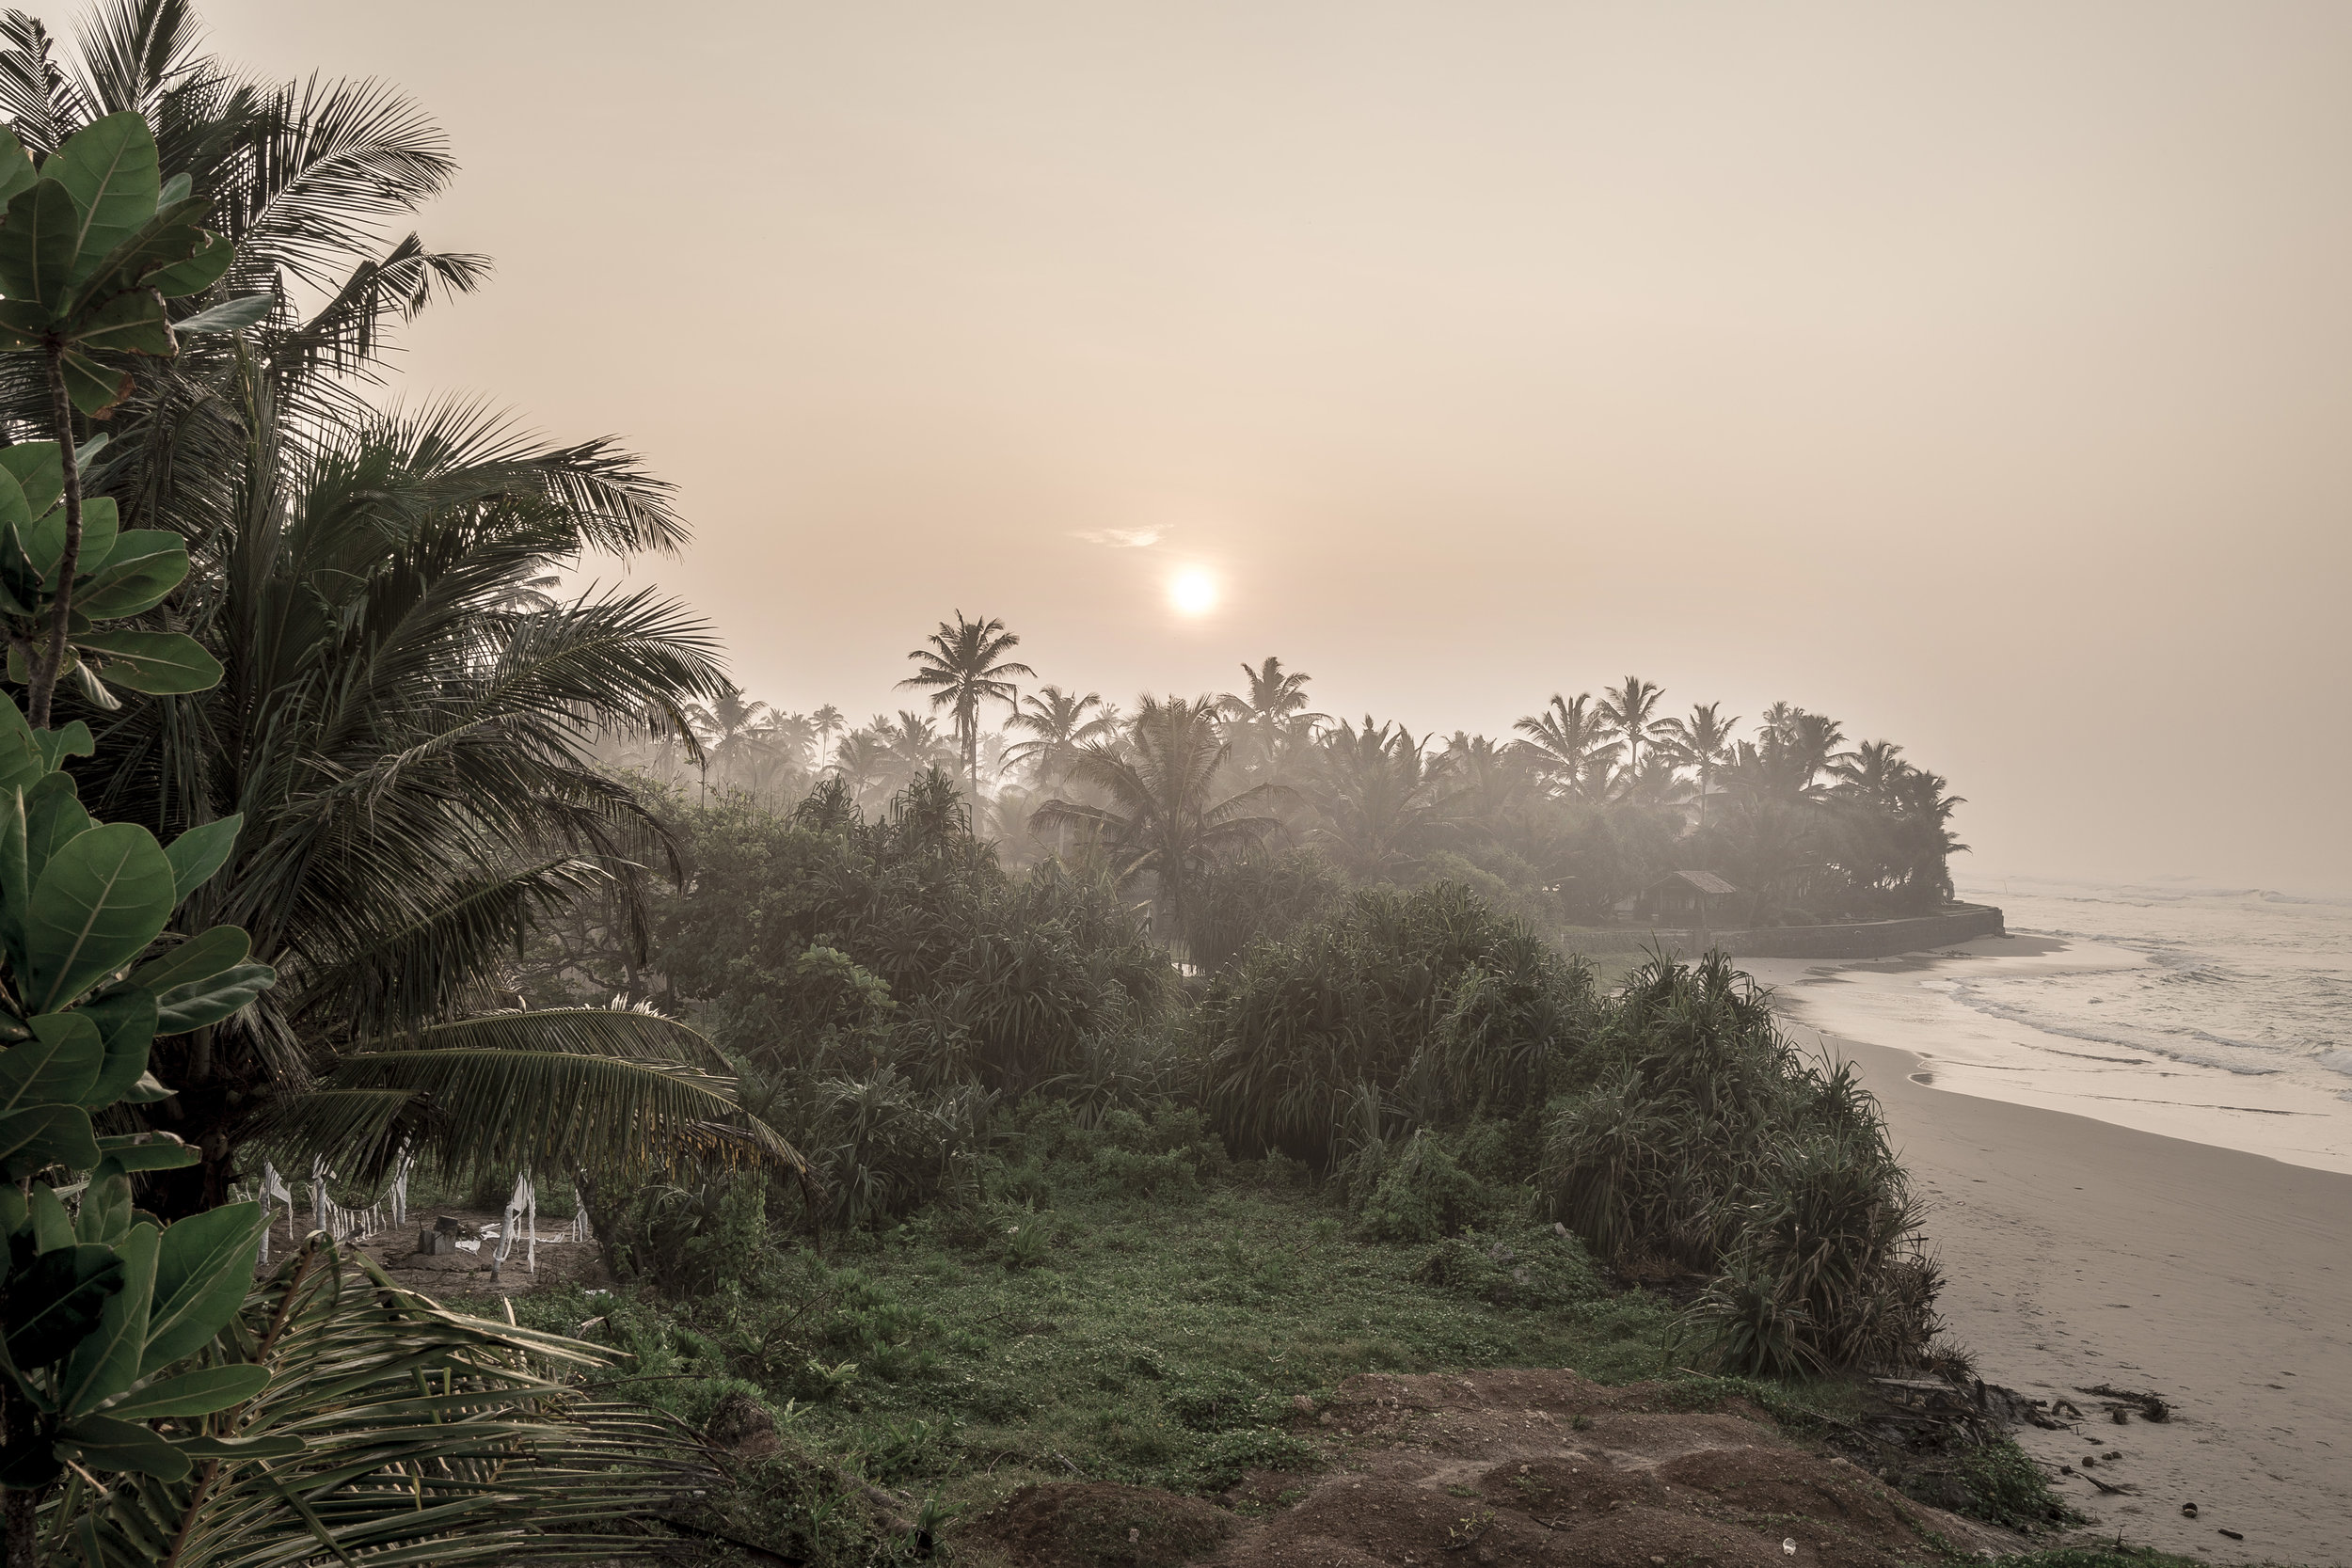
x: 93, y: 243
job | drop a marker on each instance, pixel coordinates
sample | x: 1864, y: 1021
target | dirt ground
x: 562, y: 1260
x: 1501, y: 1467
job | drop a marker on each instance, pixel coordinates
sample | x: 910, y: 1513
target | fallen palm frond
x: 393, y: 1430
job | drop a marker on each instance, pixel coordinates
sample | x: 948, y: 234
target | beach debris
x: 1787, y: 1546
x: 2233, y: 1535
x: 2150, y: 1405
x: 2189, y: 1510
x: 2119, y: 1414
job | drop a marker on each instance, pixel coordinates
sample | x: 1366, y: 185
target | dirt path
x: 1504, y: 1467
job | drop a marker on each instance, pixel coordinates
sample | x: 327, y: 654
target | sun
x: 1193, y: 592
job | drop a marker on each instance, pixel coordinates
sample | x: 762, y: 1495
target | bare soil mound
x: 1085, y: 1524
x: 1508, y: 1468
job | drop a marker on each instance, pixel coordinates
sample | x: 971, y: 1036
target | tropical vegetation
x: 340, y: 827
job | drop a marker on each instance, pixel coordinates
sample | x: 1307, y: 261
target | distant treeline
x: 1582, y: 817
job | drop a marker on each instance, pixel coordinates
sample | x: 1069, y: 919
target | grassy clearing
x: 1121, y: 1339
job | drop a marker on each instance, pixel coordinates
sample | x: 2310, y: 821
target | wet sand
x: 2078, y: 1252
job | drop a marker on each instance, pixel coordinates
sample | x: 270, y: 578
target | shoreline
x: 2079, y: 1250
x: 2296, y: 1113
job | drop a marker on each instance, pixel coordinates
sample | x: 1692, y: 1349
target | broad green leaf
x: 95, y: 906
x: 199, y: 852
x: 160, y: 663
x: 126, y: 1020
x: 57, y: 1066
x: 31, y: 1141
x: 230, y: 315
x: 52, y: 819
x: 104, y: 1214
x: 176, y: 189
x: 199, y: 271
x: 173, y: 236
x: 16, y: 169
x: 148, y: 1091
x: 26, y: 320
x: 52, y: 1227
x: 201, y: 956
x: 108, y: 1361
x: 104, y: 1443
x: 133, y: 322
x: 16, y: 881
x: 37, y: 244
x: 212, y: 998
x: 196, y: 1393
x: 45, y: 545
x: 202, y: 1276
x: 21, y: 762
x: 144, y: 567
x: 35, y: 467
x: 20, y: 662
x: 96, y: 390
x: 16, y: 511
x: 14, y: 1210
x: 56, y: 1301
x: 71, y: 741
x: 139, y: 1152
x: 109, y: 166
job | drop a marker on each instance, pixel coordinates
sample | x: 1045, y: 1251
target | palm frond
x: 617, y: 1094
x: 428, y: 1437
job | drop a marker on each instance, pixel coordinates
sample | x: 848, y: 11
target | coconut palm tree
x: 963, y: 666
x: 1167, y: 815
x: 828, y: 721
x: 1700, y: 743
x: 1625, y: 709
x: 413, y: 749
x: 1869, y: 771
x: 1379, y: 798
x: 1568, y: 743
x: 1062, y: 723
x: 1269, y: 716
x: 722, y: 725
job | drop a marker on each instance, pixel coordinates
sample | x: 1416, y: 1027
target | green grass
x: 1152, y: 1343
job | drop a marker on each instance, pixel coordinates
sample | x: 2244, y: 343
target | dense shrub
x: 1397, y: 1010
x: 828, y: 943
x: 1711, y: 1143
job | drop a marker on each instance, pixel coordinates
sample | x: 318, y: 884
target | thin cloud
x: 1121, y: 538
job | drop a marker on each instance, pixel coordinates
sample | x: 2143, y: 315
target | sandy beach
x: 2078, y: 1252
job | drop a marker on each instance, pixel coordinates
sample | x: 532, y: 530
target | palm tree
x: 1625, y: 709
x: 828, y: 721
x: 1568, y: 742
x: 1379, y: 797
x: 1868, y: 772
x: 1063, y: 722
x: 1815, y: 738
x: 1700, y: 742
x: 412, y: 748
x: 1167, y: 816
x: 964, y: 664
x: 722, y: 724
x: 1277, y: 698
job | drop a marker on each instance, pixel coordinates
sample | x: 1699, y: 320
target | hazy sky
x: 1979, y: 375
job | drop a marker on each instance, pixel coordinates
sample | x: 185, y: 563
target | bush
x: 1711, y: 1143
x: 1534, y: 1266
x: 1427, y: 1004
x: 1421, y: 1194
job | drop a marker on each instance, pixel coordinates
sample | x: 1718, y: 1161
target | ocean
x: 2220, y: 1015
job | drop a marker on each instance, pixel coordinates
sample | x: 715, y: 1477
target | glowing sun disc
x: 1193, y: 592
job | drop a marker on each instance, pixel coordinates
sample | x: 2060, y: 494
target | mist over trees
x: 1592, y: 799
